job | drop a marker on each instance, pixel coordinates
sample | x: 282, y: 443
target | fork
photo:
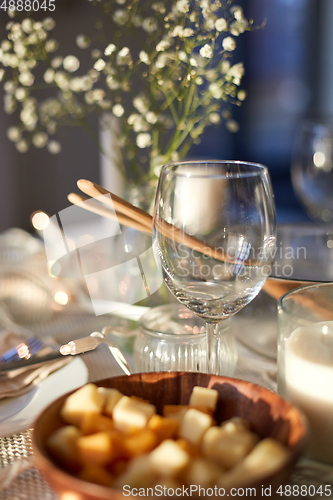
x: 31, y: 346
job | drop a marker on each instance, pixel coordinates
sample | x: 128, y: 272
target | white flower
x: 120, y: 17
x: 6, y: 45
x: 95, y: 95
x: 39, y: 140
x: 109, y: 49
x: 20, y: 94
x: 206, y: 51
x: 214, y: 118
x: 82, y: 41
x: 238, y: 27
x: 9, y: 104
x: 14, y: 134
x: 182, y: 55
x: 61, y: 79
x: 140, y: 105
x: 48, y: 23
x: 177, y: 31
x: 241, y: 95
x: 26, y: 78
x: 221, y: 24
x: 162, y: 61
x: 56, y: 62
x: 143, y: 140
x: 150, y: 24
x: 187, y: 32
x: 96, y: 53
x: 182, y: 6
x: 10, y: 86
x: 143, y: 56
x: 236, y: 71
x: 232, y: 126
x: 151, y: 117
x: 27, y: 25
x: 237, y: 12
x: 22, y: 146
x: 99, y: 65
x: 54, y: 147
x: 215, y: 90
x: 112, y: 83
x: 229, y: 44
x: 29, y: 118
x: 71, y: 64
x: 124, y: 57
x: 162, y: 45
x: 193, y: 62
x: 118, y: 110
x: 37, y: 26
x: 225, y: 66
x: 121, y: 2
x: 51, y: 45
x: 158, y: 7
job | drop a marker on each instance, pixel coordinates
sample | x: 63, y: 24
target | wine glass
x: 214, y: 237
x: 312, y: 169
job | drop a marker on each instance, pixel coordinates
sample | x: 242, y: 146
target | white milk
x: 309, y: 383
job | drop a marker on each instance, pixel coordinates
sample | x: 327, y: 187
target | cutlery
x: 24, y: 350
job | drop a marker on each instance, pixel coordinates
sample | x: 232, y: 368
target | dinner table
x: 255, y: 331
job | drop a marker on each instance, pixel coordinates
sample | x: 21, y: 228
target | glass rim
x: 288, y: 294
x: 257, y: 168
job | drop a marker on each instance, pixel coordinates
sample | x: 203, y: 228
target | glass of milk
x: 305, y: 361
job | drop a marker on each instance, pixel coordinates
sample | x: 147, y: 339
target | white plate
x: 18, y: 414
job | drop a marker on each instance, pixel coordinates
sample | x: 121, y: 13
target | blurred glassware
x: 173, y: 338
x: 312, y: 169
x: 26, y: 288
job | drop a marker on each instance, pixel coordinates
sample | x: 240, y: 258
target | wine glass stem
x: 212, y: 348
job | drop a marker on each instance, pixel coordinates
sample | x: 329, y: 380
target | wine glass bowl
x: 312, y: 169
x: 214, y: 236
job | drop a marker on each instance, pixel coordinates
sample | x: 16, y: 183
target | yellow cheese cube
x: 94, y: 473
x: 140, y: 443
x: 266, y: 458
x: 111, y: 397
x: 204, y: 396
x: 202, y: 472
x: 228, y: 449
x: 168, y: 458
x: 92, y: 422
x: 87, y: 399
x: 139, y: 474
x: 100, y: 448
x: 62, y: 445
x: 193, y: 425
x: 129, y: 414
x: 164, y: 428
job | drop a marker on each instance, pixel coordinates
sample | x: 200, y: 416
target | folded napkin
x: 18, y: 382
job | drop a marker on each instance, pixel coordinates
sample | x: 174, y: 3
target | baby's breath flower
x: 228, y: 44
x: 182, y: 6
x: 99, y: 65
x: 14, y: 134
x: 151, y: 117
x: 120, y: 17
x: 51, y: 45
x: 182, y: 55
x: 20, y: 94
x: 193, y: 62
x: 121, y: 2
x: 214, y: 118
x: 158, y: 7
x: 215, y: 90
x: 6, y: 45
x: 162, y: 45
x: 26, y: 78
x: 83, y: 41
x: 150, y: 24
x: 232, y: 125
x: 140, y: 105
x: 109, y: 49
x: 124, y: 57
x: 221, y: 24
x: 118, y: 110
x: 39, y: 140
x: 187, y: 32
x: 27, y: 26
x: 22, y: 146
x: 54, y: 147
x: 241, y: 95
x: 206, y: 51
x: 143, y: 140
x: 62, y: 80
x: 112, y: 83
x: 237, y: 12
x: 143, y: 56
x: 96, y: 53
x: 177, y: 31
x: 71, y: 64
x: 56, y: 62
x: 48, y: 75
x: 48, y: 23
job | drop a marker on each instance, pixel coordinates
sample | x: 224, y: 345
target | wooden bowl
x: 269, y: 414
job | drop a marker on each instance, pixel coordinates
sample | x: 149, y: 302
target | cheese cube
x: 100, y: 448
x: 62, y: 445
x: 139, y: 474
x: 91, y: 423
x: 140, y: 443
x: 228, y: 449
x: 235, y: 424
x: 266, y: 458
x: 193, y: 425
x: 164, y: 428
x: 87, y: 399
x: 168, y: 458
x: 202, y: 472
x: 129, y: 414
x: 204, y: 396
x: 96, y: 474
x: 111, y: 398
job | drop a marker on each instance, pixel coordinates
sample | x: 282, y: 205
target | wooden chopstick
x: 141, y: 220
x: 100, y: 209
x: 122, y: 206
